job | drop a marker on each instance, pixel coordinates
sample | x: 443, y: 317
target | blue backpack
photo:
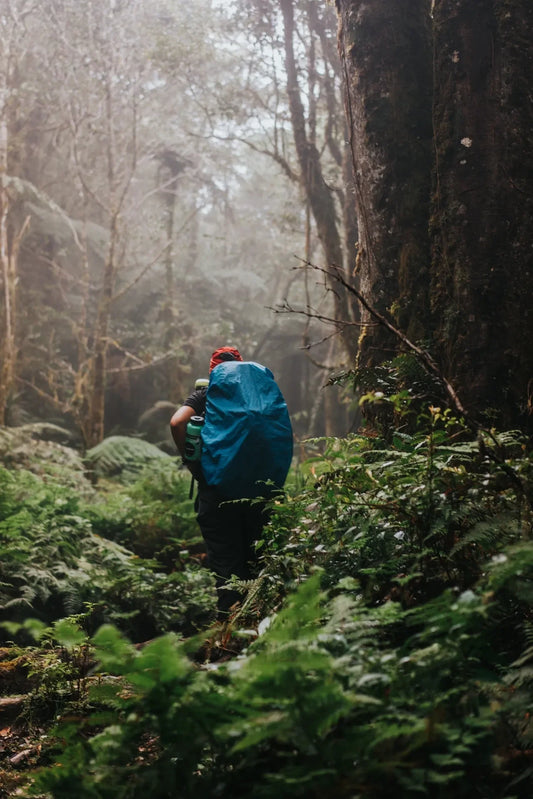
x: 247, y: 434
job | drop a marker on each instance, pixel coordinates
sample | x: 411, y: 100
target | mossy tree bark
x: 454, y: 264
x: 386, y: 53
x: 482, y: 236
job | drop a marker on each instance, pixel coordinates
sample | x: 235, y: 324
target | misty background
x: 153, y: 204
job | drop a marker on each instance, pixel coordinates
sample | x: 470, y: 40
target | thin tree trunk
x: 9, y: 239
x: 7, y: 340
x: 95, y: 430
x: 7, y: 332
x: 319, y: 195
x: 9, y: 252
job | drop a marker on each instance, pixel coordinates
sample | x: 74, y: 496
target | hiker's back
x: 247, y: 436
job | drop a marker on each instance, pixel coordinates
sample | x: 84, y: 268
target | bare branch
x: 286, y: 308
x: 141, y: 274
x: 312, y: 344
x: 273, y: 154
x: 145, y: 365
x: 59, y: 269
x: 334, y: 272
x: 55, y: 401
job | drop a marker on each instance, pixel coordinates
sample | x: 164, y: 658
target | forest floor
x: 21, y: 743
x: 28, y: 716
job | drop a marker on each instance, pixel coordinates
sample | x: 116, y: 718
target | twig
x: 423, y: 355
x: 285, y: 307
x: 138, y: 367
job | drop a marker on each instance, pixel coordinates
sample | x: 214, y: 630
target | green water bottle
x: 193, y: 438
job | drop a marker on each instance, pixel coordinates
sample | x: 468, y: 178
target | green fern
x: 489, y: 535
x: 398, y: 656
x: 52, y: 563
x: 124, y: 457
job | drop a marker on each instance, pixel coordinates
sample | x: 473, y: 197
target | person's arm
x: 194, y: 405
x: 178, y: 426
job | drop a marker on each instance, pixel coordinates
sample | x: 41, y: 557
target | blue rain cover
x: 247, y: 434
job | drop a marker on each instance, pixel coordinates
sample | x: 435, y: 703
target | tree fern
x: 124, y: 457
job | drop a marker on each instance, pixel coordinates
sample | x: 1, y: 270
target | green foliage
x: 41, y: 535
x: 39, y: 448
x: 334, y: 696
x: 158, y: 713
x: 152, y: 517
x: 393, y: 654
x: 123, y: 457
x: 406, y: 520
x: 54, y: 672
x: 395, y: 393
x: 59, y: 672
x: 52, y: 563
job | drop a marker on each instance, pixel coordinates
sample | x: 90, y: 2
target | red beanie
x: 224, y: 354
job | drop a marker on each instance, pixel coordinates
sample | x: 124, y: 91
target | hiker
x: 229, y: 529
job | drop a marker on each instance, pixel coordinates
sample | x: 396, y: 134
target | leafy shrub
x: 336, y: 699
x: 395, y: 649
x: 406, y: 521
x: 394, y: 394
x: 25, y: 448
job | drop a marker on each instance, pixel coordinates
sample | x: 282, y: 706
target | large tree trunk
x: 385, y: 49
x: 482, y: 234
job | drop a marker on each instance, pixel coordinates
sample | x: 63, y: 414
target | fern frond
x: 490, y: 534
x: 123, y: 456
x: 521, y: 671
x: 252, y: 589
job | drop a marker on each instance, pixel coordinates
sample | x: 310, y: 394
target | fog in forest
x: 154, y: 209
x: 181, y: 176
x: 337, y: 602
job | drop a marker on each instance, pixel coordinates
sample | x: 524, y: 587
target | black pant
x: 229, y: 529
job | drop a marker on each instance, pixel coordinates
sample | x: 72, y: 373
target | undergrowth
x: 389, y: 634
x: 56, y: 559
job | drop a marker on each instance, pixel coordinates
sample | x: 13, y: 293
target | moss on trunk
x: 386, y: 51
x: 482, y: 237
